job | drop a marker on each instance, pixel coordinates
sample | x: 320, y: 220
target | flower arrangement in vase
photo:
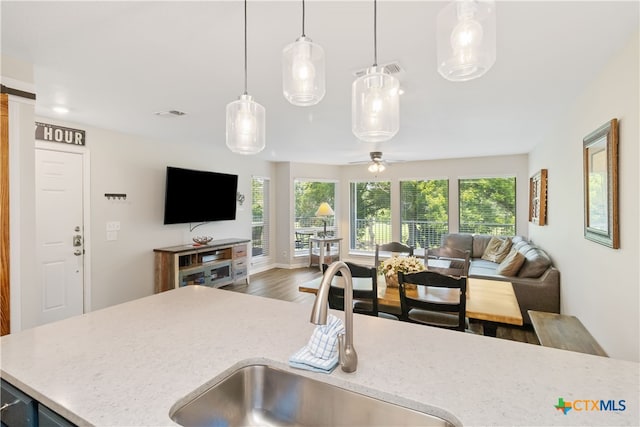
x: 390, y: 268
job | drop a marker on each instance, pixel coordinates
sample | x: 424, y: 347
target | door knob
x: 77, y: 240
x: 77, y: 252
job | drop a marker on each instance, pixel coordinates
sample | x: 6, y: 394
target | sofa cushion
x: 511, y: 264
x: 497, y: 249
x: 480, y: 243
x: 460, y: 241
x: 536, y: 261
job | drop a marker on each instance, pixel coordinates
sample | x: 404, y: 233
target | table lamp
x: 324, y: 211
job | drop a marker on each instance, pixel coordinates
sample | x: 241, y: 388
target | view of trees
x: 308, y: 196
x: 486, y: 205
x: 424, y: 211
x: 259, y: 216
x: 370, y: 214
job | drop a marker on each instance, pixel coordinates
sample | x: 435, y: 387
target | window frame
x: 318, y: 225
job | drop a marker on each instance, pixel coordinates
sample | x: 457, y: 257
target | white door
x: 59, y: 234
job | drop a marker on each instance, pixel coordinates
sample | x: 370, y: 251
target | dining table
x: 492, y: 302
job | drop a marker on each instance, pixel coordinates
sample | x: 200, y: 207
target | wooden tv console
x: 221, y: 262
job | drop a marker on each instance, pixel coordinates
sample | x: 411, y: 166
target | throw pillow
x: 511, y: 264
x: 497, y: 249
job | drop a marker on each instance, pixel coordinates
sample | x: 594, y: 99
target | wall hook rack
x: 113, y: 196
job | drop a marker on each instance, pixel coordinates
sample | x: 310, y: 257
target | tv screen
x: 199, y: 196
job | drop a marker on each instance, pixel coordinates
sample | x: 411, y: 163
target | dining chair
x: 440, y: 300
x: 394, y: 248
x: 448, y: 261
x: 365, y: 301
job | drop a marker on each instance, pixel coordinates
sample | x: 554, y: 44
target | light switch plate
x: 112, y: 235
x: 113, y: 225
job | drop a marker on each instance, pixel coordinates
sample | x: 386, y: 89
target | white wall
x: 122, y: 270
x: 599, y: 285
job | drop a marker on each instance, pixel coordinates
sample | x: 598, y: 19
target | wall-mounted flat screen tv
x: 199, y: 196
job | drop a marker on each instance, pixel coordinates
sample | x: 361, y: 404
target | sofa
x: 536, y: 282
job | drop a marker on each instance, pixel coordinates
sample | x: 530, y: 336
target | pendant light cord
x: 303, y: 35
x: 375, y: 33
x: 245, y: 47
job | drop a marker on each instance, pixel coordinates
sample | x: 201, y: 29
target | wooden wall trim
x: 17, y: 92
x: 5, y: 313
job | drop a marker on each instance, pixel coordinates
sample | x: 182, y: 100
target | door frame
x: 5, y: 250
x: 86, y: 209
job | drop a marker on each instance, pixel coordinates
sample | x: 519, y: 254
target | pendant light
x: 375, y: 106
x: 303, y: 81
x: 466, y: 32
x: 245, y: 117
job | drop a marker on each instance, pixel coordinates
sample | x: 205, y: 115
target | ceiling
x: 114, y: 64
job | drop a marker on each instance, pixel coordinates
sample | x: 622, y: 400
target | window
x: 488, y: 205
x: 370, y: 216
x: 424, y: 212
x: 259, y: 216
x: 308, y: 197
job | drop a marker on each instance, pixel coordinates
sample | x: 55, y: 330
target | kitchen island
x: 130, y: 364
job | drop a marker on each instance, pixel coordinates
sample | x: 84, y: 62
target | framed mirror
x: 600, y: 156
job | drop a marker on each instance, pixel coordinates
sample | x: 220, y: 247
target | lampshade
x: 245, y: 130
x: 245, y: 126
x: 303, y: 81
x: 324, y: 210
x: 375, y: 104
x: 466, y: 33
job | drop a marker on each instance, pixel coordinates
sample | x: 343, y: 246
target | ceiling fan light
x: 466, y: 34
x: 303, y: 72
x: 376, y: 167
x: 245, y: 130
x: 375, y: 106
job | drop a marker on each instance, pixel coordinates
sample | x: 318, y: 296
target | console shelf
x: 217, y: 264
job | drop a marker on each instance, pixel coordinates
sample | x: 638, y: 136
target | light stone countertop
x: 127, y: 365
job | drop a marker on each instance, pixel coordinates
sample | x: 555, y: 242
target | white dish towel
x: 321, y: 352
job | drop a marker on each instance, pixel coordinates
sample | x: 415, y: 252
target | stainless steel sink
x: 267, y: 396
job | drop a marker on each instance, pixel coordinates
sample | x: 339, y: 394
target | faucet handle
x: 346, y: 355
x: 341, y: 348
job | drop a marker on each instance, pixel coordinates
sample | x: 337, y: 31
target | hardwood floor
x: 282, y: 284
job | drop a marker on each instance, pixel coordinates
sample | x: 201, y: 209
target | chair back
x: 439, y: 301
x: 365, y: 301
x: 448, y: 261
x: 302, y: 240
x: 394, y: 248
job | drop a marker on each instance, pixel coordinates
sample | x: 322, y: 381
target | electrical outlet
x: 112, y: 235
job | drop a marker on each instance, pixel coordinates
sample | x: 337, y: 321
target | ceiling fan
x: 376, y: 164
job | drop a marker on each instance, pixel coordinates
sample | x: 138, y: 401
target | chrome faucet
x: 348, y: 356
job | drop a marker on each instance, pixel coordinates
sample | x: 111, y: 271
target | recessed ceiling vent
x: 170, y: 113
x: 391, y: 68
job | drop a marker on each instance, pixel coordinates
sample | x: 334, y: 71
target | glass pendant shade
x: 375, y: 106
x: 466, y: 33
x: 245, y: 126
x: 303, y: 81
